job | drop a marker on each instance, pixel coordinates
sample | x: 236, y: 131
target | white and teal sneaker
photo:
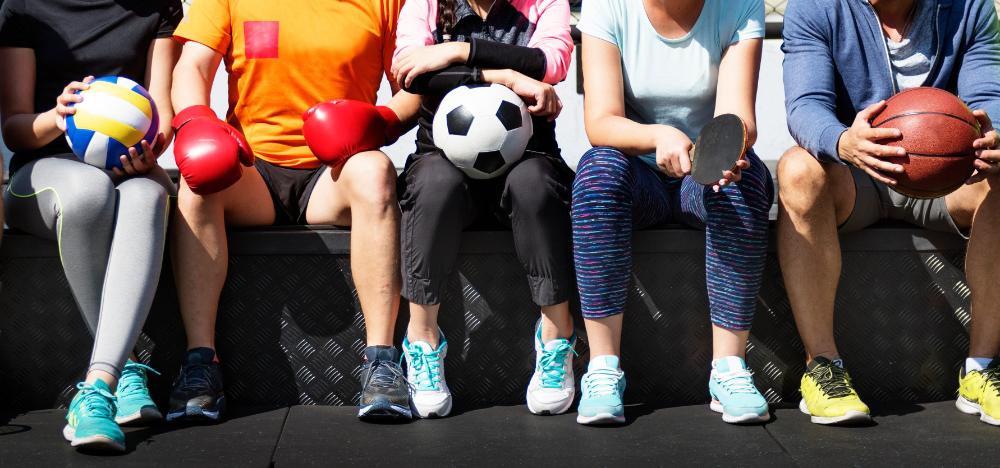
x: 602, y: 387
x: 552, y: 386
x: 135, y: 406
x: 90, y: 421
x: 425, y: 371
x: 733, y: 393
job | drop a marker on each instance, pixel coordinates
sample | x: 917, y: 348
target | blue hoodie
x: 837, y: 63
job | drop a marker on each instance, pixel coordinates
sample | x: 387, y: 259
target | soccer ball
x: 116, y: 114
x: 482, y: 130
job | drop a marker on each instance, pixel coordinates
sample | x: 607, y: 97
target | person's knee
x: 371, y: 181
x: 145, y: 194
x: 196, y: 206
x: 433, y: 181
x: 802, y: 180
x: 89, y: 199
x: 601, y: 168
x: 531, y: 187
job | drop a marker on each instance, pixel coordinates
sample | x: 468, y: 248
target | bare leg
x: 362, y: 194
x: 978, y: 206
x: 200, y: 251
x: 726, y: 342
x: 556, y: 322
x: 604, y: 335
x: 423, y: 324
x: 814, y: 199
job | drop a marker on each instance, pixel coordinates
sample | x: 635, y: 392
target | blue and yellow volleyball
x: 116, y: 114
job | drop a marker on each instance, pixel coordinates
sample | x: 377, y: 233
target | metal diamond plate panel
x: 290, y: 330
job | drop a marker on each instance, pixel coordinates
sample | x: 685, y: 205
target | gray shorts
x: 876, y: 201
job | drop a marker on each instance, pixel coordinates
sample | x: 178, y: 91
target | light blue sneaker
x: 90, y: 422
x: 135, y: 406
x: 602, y: 387
x: 733, y: 393
x: 551, y: 389
x: 429, y: 392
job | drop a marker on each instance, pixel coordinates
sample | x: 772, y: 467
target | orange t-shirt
x: 285, y: 56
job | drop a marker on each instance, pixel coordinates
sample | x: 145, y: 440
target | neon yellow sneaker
x: 979, y: 393
x: 828, y: 396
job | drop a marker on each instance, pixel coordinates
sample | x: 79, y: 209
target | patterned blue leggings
x: 613, y: 194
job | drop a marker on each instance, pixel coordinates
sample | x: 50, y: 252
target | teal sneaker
x: 135, y: 406
x: 602, y: 387
x: 429, y: 391
x: 90, y: 422
x: 733, y: 393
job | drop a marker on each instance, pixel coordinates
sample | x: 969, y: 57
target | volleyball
x: 116, y: 113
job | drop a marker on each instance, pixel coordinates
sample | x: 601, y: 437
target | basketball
x: 938, y: 130
x: 116, y: 114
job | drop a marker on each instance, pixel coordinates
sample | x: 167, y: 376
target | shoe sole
x: 747, y: 418
x: 600, y: 419
x: 144, y: 416
x: 196, y: 413
x: 969, y: 407
x: 95, y: 443
x: 542, y: 409
x: 382, y: 410
x: 438, y: 413
x: 850, y: 417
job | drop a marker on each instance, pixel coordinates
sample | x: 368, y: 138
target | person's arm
x: 978, y: 86
x: 737, y: 87
x: 163, y: 56
x: 193, y: 76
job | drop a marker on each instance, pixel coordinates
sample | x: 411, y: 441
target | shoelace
x: 383, y: 375
x: 832, y: 380
x: 93, y: 404
x: 601, y: 382
x: 992, y: 377
x: 197, y: 377
x: 133, y: 380
x: 553, y: 363
x: 740, y: 381
x: 427, y: 367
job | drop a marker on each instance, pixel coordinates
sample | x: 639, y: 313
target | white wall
x: 772, y: 140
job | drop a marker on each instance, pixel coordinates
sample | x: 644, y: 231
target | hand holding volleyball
x: 107, y: 120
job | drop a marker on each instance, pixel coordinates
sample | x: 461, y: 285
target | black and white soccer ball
x: 482, y: 130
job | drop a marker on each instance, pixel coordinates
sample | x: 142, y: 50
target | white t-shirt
x: 672, y: 81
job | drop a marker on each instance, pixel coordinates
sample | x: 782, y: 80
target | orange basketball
x: 938, y: 130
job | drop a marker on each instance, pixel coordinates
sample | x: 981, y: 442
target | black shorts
x: 290, y: 190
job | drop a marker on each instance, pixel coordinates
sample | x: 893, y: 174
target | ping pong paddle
x: 721, y: 143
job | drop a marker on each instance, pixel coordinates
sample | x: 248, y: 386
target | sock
x: 977, y: 363
x: 201, y: 356
x: 381, y: 353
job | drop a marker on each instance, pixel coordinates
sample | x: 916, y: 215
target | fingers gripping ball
x: 482, y: 130
x: 938, y: 131
x: 116, y: 113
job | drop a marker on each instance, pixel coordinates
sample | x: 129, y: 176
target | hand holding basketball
x: 858, y: 146
x: 673, y: 151
x: 987, y: 154
x: 64, y: 102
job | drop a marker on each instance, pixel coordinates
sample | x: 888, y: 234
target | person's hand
x: 137, y: 164
x: 732, y: 176
x: 64, y: 102
x: 541, y: 97
x: 420, y: 60
x: 673, y: 151
x: 987, y: 155
x: 858, y: 147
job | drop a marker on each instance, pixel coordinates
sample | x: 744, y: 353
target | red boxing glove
x: 208, y: 151
x: 337, y: 130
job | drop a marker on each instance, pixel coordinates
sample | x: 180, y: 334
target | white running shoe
x: 425, y: 372
x: 552, y: 386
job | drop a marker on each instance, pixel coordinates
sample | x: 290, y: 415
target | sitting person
x: 281, y: 61
x: 442, y: 44
x: 842, y: 60
x: 110, y: 226
x: 655, y: 73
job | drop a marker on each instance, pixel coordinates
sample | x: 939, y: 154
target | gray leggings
x: 110, y: 235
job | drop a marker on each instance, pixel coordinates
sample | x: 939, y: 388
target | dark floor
x: 915, y: 435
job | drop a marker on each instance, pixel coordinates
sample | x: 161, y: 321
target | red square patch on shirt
x: 260, y: 39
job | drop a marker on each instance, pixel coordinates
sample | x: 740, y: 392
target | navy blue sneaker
x: 197, y: 393
x: 384, y: 391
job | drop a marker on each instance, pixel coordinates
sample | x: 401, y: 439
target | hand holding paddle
x: 717, y: 158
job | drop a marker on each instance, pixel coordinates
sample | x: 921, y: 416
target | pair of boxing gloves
x: 209, y: 152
